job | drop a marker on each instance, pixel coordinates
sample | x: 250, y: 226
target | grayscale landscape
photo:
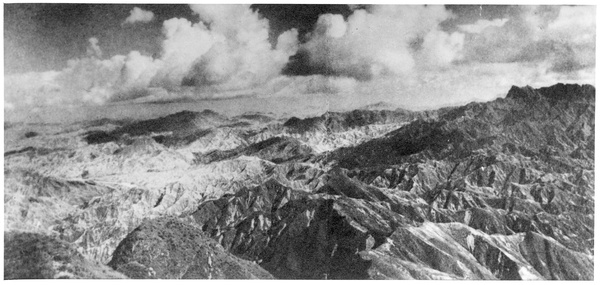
x: 299, y: 142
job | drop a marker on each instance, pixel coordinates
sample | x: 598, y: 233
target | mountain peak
x: 555, y: 92
x: 516, y: 92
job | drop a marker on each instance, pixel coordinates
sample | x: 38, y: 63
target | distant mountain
x: 184, y: 125
x: 341, y: 121
x: 380, y: 106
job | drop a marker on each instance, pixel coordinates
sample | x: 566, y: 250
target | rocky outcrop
x: 36, y: 256
x: 167, y: 248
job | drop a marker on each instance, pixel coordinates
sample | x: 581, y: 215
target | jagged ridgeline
x: 495, y: 190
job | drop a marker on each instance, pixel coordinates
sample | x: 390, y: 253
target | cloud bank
x: 402, y: 54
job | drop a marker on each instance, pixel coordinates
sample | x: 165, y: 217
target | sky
x: 415, y: 56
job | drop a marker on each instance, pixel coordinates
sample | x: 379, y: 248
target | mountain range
x: 489, y: 190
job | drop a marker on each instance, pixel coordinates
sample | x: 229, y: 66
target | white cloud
x: 139, y: 15
x: 185, y: 42
x: 330, y: 25
x: 379, y: 41
x: 243, y: 58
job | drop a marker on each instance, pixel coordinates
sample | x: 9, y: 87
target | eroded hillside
x: 496, y: 190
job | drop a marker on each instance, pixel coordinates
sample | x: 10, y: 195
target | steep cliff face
x: 496, y: 190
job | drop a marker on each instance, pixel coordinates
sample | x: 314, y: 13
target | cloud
x: 407, y: 55
x: 26, y: 89
x: 381, y: 41
x: 227, y: 49
x: 481, y: 25
x: 563, y: 36
x: 578, y: 24
x: 440, y: 48
x: 93, y: 50
x: 139, y: 15
x: 242, y: 56
x: 88, y: 80
x: 422, y: 65
x: 184, y: 43
x: 461, y: 84
x: 312, y: 84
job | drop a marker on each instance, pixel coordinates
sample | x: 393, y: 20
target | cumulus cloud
x: 381, y: 41
x: 139, y: 15
x: 184, y: 43
x: 242, y: 56
x: 227, y: 49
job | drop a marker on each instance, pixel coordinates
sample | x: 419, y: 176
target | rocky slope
x: 166, y: 248
x: 35, y: 256
x: 496, y: 190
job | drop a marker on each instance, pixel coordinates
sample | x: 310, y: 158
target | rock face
x: 35, y: 256
x: 170, y: 249
x: 495, y: 190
